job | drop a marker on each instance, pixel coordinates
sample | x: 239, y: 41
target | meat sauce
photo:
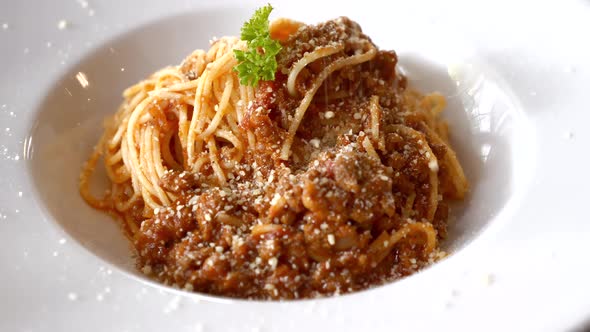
x: 303, y: 227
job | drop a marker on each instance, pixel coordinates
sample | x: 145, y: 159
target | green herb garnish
x: 259, y: 61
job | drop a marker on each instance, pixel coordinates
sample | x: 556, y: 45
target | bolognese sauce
x: 359, y: 197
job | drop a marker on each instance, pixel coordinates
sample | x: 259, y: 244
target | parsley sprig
x: 259, y: 61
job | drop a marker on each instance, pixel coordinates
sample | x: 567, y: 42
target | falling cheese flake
x: 315, y: 143
x: 331, y: 239
x: 81, y: 77
x: 83, y: 3
x: 489, y: 279
x: 273, y: 262
x: 62, y: 24
x: 172, y: 305
x: 433, y: 165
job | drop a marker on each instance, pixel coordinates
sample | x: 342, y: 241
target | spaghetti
x: 332, y: 178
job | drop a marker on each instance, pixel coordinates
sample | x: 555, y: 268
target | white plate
x: 515, y: 82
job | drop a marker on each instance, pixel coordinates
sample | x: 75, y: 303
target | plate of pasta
x: 288, y: 167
